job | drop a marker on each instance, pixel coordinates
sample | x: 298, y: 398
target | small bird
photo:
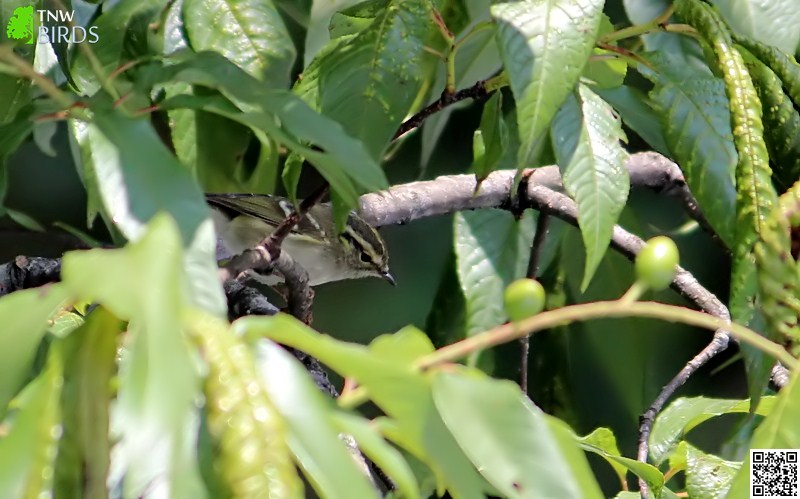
x: 243, y: 220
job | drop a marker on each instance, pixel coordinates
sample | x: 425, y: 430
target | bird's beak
x: 388, y: 278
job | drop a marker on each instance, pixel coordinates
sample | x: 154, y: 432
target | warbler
x: 243, y: 220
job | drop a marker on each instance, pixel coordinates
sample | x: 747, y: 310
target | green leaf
x: 706, y: 474
x: 586, y: 138
x: 684, y: 414
x: 263, y: 174
x: 756, y: 197
x: 15, y: 92
x: 773, y: 23
x: 173, y: 30
x: 158, y: 380
x: 281, y: 115
x: 312, y: 435
x: 603, y: 443
x: 60, y: 45
x: 24, y: 316
x: 682, y: 47
x: 781, y: 123
x: 390, y: 460
x: 404, y: 395
x: 250, y: 33
x: 369, y: 84
x: 695, y: 116
x: 85, y: 447
x: 43, y: 137
x: 12, y: 135
x: 82, y: 156
x: 65, y: 322
x: 493, y: 135
x: 477, y: 58
x: 522, y: 451
x: 112, y: 29
x: 307, y: 88
x: 136, y: 176
x: 492, y: 250
x: 331, y: 166
x: 446, y: 321
x: 778, y: 281
x: 355, y: 19
x: 290, y: 175
x: 637, y: 113
x: 28, y: 452
x: 220, y: 144
x: 606, y: 71
x: 183, y: 126
x: 24, y: 220
x: 253, y: 457
x: 665, y: 494
x: 778, y: 431
x: 783, y: 65
x: 307, y: 85
x: 545, y: 45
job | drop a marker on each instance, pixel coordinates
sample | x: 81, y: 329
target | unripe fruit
x: 523, y: 298
x: 656, y: 263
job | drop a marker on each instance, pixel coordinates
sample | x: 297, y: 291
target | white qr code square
x: 773, y: 473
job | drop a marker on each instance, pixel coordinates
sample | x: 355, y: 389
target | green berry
x: 523, y: 298
x: 656, y: 263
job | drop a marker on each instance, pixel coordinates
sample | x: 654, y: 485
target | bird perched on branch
x: 243, y: 220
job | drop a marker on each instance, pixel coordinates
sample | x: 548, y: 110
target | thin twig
x: 476, y: 91
x: 542, y: 225
x: 624, y: 53
x: 581, y: 312
x: 657, y: 24
x: 646, y: 420
x: 273, y: 242
x: 600, y: 310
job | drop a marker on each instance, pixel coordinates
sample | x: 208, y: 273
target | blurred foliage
x: 124, y: 380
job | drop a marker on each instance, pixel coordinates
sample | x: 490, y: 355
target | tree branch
x: 448, y: 194
x: 28, y: 272
x: 300, y: 296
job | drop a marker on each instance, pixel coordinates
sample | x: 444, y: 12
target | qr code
x: 773, y: 473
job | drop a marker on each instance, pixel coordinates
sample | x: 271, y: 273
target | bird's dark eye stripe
x: 359, y: 246
x: 350, y: 239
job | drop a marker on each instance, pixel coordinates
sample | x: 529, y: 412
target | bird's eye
x: 365, y: 257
